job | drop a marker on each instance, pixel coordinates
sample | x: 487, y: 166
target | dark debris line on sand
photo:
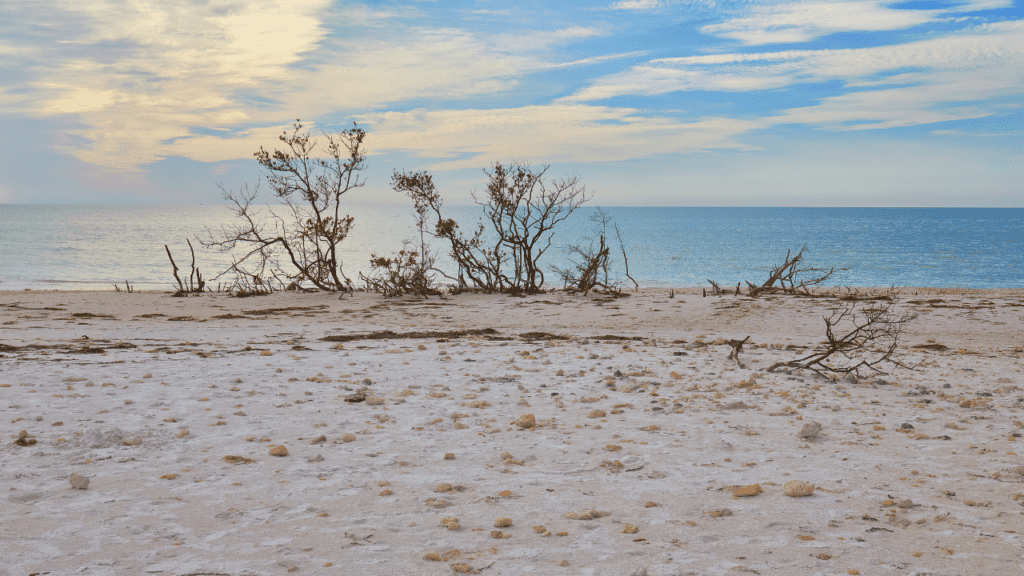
x: 489, y: 333
x: 389, y: 335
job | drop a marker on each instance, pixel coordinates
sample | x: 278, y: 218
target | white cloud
x: 637, y: 5
x: 976, y: 5
x: 546, y: 134
x: 804, y: 21
x: 139, y: 75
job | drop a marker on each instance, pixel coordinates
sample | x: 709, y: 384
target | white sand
x: 302, y: 513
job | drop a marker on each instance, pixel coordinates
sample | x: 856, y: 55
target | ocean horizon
x: 93, y: 247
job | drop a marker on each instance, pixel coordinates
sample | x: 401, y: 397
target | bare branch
x: 792, y: 278
x: 737, y: 347
x: 859, y: 338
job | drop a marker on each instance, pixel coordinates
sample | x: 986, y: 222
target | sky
x: 649, y: 102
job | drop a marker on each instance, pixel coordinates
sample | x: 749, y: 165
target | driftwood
x: 791, y: 277
x: 737, y: 347
x: 625, y: 259
x: 870, y: 340
x: 194, y: 284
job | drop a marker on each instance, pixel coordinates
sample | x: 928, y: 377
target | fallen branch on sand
x: 871, y: 339
x: 737, y: 347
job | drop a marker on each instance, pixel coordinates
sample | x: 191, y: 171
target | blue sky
x: 650, y: 102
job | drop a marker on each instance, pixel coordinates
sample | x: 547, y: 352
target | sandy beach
x: 551, y: 434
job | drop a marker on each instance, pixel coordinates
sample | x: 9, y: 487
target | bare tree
x: 522, y: 210
x: 859, y: 339
x: 301, y: 241
x: 792, y: 277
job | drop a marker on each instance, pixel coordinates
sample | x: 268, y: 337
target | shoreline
x: 688, y: 289
x: 638, y: 413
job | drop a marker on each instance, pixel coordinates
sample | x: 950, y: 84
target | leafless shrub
x: 591, y: 263
x: 127, y: 288
x: 792, y: 277
x: 194, y: 284
x: 410, y: 271
x: 301, y: 242
x: 404, y: 273
x: 522, y: 210
x: 859, y: 338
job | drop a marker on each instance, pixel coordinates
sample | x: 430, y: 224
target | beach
x: 549, y: 434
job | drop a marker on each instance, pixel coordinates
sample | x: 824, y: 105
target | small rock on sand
x: 502, y: 522
x: 744, y: 491
x: 449, y: 456
x: 796, y: 488
x: 526, y: 421
x: 810, y: 431
x: 24, y: 440
x: 348, y: 437
x: 78, y: 481
x: 319, y: 440
x: 278, y: 451
x: 597, y: 414
x: 374, y: 400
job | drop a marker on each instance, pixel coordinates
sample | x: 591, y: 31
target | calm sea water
x: 77, y: 247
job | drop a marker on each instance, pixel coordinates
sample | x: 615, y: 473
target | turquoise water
x: 76, y: 247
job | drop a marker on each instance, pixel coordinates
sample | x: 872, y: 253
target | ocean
x: 93, y: 247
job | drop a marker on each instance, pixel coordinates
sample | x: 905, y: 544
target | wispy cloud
x: 792, y: 22
x: 142, y: 75
x: 546, y: 134
x: 638, y: 5
x: 896, y: 85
